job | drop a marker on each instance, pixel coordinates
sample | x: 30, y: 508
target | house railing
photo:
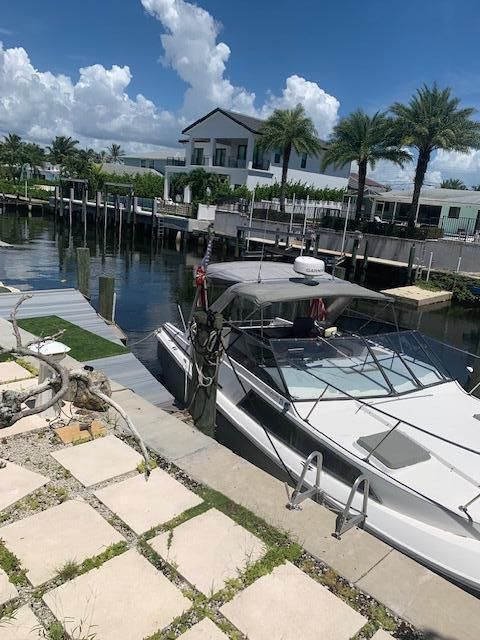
x: 263, y: 165
x: 231, y: 163
x: 175, y: 162
x: 200, y: 160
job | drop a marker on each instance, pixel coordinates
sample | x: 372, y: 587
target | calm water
x: 151, y: 281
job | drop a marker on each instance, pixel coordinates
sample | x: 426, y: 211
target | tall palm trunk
x: 420, y: 171
x: 362, y: 175
x: 286, y: 160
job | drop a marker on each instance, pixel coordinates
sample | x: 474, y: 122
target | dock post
x: 353, y: 265
x: 410, y: 269
x: 60, y: 191
x: 70, y: 207
x: 317, y: 244
x: 277, y: 238
x: 83, y: 270
x: 239, y: 244
x: 98, y: 201
x: 154, y: 218
x: 30, y: 206
x: 84, y: 203
x: 106, y: 297
x: 55, y: 201
x: 363, y: 270
x: 105, y: 211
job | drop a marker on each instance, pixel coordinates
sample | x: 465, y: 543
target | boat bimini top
x: 263, y: 284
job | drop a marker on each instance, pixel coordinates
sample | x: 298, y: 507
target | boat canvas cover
x: 262, y: 294
x: 251, y: 271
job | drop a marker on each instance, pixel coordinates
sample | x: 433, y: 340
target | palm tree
x: 453, y: 183
x: 12, y: 153
x: 34, y: 156
x: 288, y: 129
x: 62, y: 147
x: 200, y: 182
x: 366, y: 140
x: 115, y: 153
x: 433, y: 120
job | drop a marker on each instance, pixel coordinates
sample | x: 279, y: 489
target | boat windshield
x: 353, y: 366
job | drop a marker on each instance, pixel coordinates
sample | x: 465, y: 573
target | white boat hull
x: 428, y: 532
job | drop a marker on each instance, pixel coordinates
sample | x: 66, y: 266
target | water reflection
x: 152, y: 279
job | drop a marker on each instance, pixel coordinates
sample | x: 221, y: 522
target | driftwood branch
x: 12, y: 402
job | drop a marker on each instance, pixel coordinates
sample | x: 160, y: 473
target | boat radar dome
x: 309, y: 267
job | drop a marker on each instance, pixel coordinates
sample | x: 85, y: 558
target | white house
x: 156, y: 159
x: 224, y: 142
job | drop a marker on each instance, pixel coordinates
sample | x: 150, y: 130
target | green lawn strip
x: 12, y: 566
x: 84, y: 345
x: 72, y: 569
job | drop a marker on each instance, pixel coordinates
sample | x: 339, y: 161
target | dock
x: 413, y: 296
x: 70, y: 305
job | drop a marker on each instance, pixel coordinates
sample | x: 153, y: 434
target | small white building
x: 456, y: 211
x: 225, y: 142
x: 156, y: 159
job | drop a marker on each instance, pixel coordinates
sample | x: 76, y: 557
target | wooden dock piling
x: 106, y: 297
x: 410, y: 269
x: 83, y: 270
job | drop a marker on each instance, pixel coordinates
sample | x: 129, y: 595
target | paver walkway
x: 112, y: 581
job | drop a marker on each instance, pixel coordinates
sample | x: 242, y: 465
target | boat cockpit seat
x: 303, y: 328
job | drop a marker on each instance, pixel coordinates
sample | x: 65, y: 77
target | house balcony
x: 200, y: 161
x: 263, y: 165
x: 231, y: 163
x: 175, y: 162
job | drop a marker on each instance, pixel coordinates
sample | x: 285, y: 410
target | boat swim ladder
x: 346, y: 520
x: 297, y: 495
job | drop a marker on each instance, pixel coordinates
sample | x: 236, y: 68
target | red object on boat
x: 318, y: 310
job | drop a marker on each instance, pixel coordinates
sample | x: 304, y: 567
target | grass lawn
x: 84, y: 345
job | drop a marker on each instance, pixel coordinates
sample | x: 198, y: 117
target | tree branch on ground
x: 13, y: 403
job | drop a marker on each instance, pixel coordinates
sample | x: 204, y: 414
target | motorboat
x: 387, y: 415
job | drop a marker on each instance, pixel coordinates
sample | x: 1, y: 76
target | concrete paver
x: 23, y: 625
x: 209, y: 549
x: 288, y: 604
x: 16, y: 482
x: 11, y: 371
x: 30, y: 423
x: 263, y: 494
x: 20, y: 385
x: 382, y: 635
x: 7, y: 589
x: 204, y: 630
x: 423, y: 598
x: 143, y: 504
x: 167, y: 435
x: 44, y: 542
x: 98, y: 460
x: 125, y: 599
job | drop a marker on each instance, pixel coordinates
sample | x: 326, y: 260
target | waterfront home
x: 155, y: 159
x: 455, y: 211
x: 226, y: 143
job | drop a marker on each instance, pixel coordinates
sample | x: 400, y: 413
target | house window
x: 242, y: 152
x: 151, y: 164
x: 276, y: 157
x: 454, y: 212
x: 303, y: 163
x: 220, y: 157
x: 197, y: 155
x: 143, y: 163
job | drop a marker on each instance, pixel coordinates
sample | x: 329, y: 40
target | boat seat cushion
x: 396, y: 451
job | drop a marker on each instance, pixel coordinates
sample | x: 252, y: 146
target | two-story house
x: 225, y: 143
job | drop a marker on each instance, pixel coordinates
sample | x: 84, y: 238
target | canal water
x: 151, y: 280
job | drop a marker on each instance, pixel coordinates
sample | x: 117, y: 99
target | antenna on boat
x: 259, y: 277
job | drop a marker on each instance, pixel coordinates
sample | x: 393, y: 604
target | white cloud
x: 191, y: 48
x: 96, y: 107
x: 452, y: 164
x: 319, y: 105
x: 40, y: 105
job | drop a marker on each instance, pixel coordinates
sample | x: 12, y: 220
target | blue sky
x: 332, y: 56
